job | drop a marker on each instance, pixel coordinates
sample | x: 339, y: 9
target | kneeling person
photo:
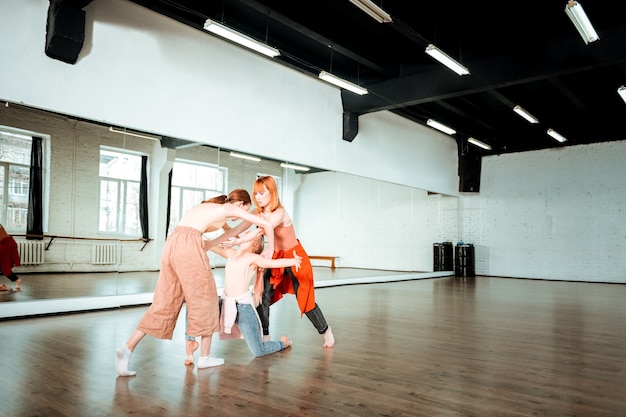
x: 238, y: 303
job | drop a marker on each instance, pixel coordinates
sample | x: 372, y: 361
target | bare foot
x: 4, y: 288
x: 191, y: 346
x: 286, y: 341
x: 17, y: 283
x: 329, y: 339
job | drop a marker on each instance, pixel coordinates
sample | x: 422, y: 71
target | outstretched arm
x: 259, y: 221
x: 230, y: 233
x: 223, y: 252
x: 238, y: 240
x: 261, y: 262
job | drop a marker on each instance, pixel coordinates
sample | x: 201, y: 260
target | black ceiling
x: 519, y: 53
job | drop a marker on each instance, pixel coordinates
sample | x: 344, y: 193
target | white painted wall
x: 556, y: 214
x: 143, y: 71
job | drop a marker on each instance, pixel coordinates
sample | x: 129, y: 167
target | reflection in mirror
x: 94, y: 252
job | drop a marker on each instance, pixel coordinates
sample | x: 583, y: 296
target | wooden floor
x: 429, y: 347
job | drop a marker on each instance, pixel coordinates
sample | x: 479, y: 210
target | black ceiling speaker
x: 350, y: 126
x: 65, y: 31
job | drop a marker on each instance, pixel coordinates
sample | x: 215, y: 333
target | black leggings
x: 315, y: 315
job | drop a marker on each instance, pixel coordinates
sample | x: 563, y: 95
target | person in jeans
x: 239, y: 318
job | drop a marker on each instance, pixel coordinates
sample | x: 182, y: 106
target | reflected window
x: 120, y: 177
x: 15, y: 152
x: 192, y: 183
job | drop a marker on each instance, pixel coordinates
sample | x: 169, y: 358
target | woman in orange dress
x: 279, y: 281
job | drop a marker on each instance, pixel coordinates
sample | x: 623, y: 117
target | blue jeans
x: 250, y: 329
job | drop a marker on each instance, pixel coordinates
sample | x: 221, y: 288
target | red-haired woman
x: 279, y: 281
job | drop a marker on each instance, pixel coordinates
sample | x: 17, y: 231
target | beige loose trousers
x: 185, y: 276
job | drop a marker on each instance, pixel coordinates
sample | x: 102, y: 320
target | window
x: 14, y: 179
x: 193, y: 182
x: 120, y: 177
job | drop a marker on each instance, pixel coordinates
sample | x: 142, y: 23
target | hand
x: 298, y: 260
x: 229, y: 243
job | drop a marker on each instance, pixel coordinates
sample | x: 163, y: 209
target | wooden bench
x: 326, y: 258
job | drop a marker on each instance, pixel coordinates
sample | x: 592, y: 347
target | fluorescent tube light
x: 622, y: 92
x: 242, y: 156
x: 479, y: 143
x: 575, y: 12
x: 296, y: 167
x: 373, y: 10
x: 446, y: 60
x: 556, y: 135
x: 529, y: 117
x: 339, y: 82
x: 439, y: 126
x: 137, y: 135
x: 240, y: 38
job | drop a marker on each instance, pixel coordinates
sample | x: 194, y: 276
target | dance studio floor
x: 440, y: 347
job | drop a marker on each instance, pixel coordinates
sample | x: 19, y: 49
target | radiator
x: 31, y: 252
x: 104, y: 254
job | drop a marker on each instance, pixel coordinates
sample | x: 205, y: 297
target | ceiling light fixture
x: 479, y: 143
x: 622, y: 92
x: 339, y: 82
x: 556, y: 135
x: 439, y: 126
x: 519, y: 110
x: 242, y: 156
x: 137, y: 135
x: 446, y: 60
x: 373, y: 10
x: 296, y: 167
x: 240, y: 38
x: 575, y: 12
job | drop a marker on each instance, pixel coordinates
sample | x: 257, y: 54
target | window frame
x: 6, y: 164
x: 122, y: 195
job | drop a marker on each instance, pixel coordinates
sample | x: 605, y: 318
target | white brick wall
x: 556, y: 214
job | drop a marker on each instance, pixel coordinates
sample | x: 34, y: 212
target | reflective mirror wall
x: 94, y: 255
